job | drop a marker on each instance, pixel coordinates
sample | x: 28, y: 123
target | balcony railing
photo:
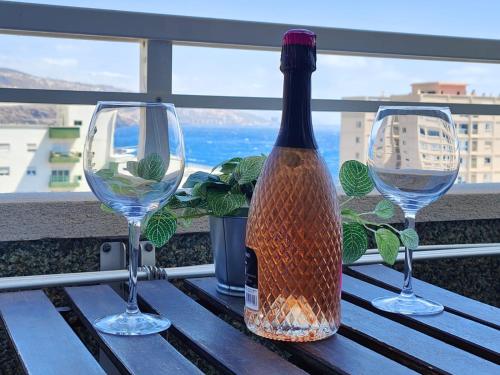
x: 69, y: 157
x: 63, y: 182
x: 63, y: 132
x: 157, y: 33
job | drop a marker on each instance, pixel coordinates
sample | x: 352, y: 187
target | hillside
x: 45, y: 114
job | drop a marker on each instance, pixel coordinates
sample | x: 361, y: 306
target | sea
x: 208, y: 145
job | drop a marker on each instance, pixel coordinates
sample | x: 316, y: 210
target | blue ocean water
x: 210, y: 145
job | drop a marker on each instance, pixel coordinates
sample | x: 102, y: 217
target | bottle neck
x: 296, y: 124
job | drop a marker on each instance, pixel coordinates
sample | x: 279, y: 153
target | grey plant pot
x: 227, y: 235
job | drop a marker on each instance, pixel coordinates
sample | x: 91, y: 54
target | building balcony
x: 64, y: 182
x: 69, y: 157
x: 64, y: 132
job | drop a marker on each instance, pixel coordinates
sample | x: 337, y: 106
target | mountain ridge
x: 46, y: 114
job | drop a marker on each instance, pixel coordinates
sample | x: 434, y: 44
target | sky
x: 255, y: 73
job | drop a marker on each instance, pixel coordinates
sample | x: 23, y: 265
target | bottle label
x: 251, y: 280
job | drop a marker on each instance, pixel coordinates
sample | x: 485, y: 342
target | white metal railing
x: 157, y: 33
x: 372, y: 256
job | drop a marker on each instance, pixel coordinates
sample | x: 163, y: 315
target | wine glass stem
x: 407, y: 290
x: 134, y: 236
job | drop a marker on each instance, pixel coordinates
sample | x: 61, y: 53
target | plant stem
x: 390, y: 226
x: 134, y: 233
x: 346, y: 201
x: 370, y: 229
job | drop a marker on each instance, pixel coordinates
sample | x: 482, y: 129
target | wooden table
x: 465, y: 339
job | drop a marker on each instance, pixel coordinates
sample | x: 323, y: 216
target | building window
x: 487, y: 160
x: 395, y: 130
x: 435, y: 147
x: 31, y: 147
x: 464, y: 146
x: 358, y: 124
x: 403, y: 129
x: 77, y: 123
x: 357, y: 140
x: 475, y: 127
x: 4, y: 146
x: 488, y: 145
x: 487, y: 177
x: 357, y: 155
x: 422, y: 131
x: 474, y: 146
x: 60, y: 175
x: 4, y: 171
x: 433, y: 133
x: 464, y: 129
x: 31, y: 171
x: 473, y: 162
x: 473, y: 177
x: 487, y: 127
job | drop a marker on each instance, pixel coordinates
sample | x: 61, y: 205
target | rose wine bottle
x: 294, y: 235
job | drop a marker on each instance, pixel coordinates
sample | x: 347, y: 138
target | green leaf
x: 132, y: 167
x: 228, y: 166
x: 355, y: 179
x: 388, y: 245
x: 199, y: 177
x: 349, y: 214
x: 105, y: 173
x: 222, y: 203
x: 249, y: 169
x: 384, y: 209
x: 160, y: 227
x: 409, y: 238
x: 188, y: 214
x: 152, y: 167
x: 107, y: 209
x: 355, y: 242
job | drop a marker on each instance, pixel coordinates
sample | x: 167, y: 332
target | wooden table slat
x: 472, y: 309
x: 467, y: 334
x: 45, y: 343
x: 226, y: 347
x: 137, y: 355
x: 337, y: 354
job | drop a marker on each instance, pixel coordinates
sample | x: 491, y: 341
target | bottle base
x: 294, y: 335
x: 290, y: 330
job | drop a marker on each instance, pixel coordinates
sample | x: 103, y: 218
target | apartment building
x: 479, y: 136
x: 38, y: 158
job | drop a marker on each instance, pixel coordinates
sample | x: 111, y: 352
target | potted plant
x: 224, y: 195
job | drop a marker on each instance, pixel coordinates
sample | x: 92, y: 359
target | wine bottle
x: 294, y: 233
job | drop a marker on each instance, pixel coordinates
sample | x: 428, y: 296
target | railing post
x: 156, y: 69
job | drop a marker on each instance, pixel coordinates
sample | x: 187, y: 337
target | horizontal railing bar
x: 374, y: 257
x: 79, y: 278
x: 73, y: 21
x: 16, y: 95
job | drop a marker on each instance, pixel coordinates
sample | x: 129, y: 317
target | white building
x: 38, y: 158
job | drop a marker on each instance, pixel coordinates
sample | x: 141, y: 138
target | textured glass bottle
x: 294, y: 235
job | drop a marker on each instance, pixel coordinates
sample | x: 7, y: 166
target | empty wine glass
x: 413, y: 160
x: 133, y: 162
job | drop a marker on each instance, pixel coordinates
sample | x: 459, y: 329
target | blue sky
x: 256, y: 73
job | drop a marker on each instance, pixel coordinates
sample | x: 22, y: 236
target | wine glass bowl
x: 413, y: 160
x: 133, y: 163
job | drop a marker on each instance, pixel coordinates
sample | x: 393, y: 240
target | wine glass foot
x: 127, y: 324
x: 407, y: 305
